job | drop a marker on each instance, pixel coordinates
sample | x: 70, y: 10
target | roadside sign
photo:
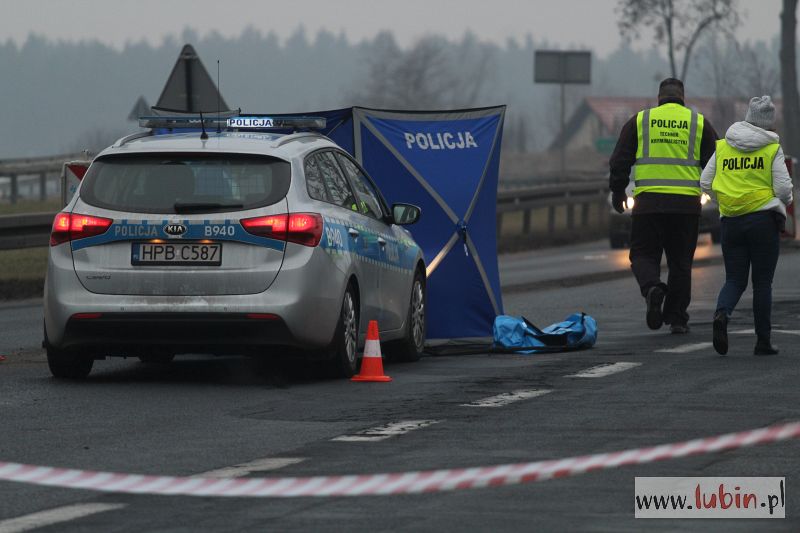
x: 554, y: 66
x: 71, y: 175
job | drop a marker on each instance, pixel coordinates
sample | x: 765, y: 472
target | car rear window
x: 185, y: 183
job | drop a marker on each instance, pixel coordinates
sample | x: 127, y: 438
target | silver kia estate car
x: 237, y: 243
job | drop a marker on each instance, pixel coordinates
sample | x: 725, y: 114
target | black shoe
x: 679, y: 329
x: 721, y: 332
x: 654, y: 298
x: 764, y: 347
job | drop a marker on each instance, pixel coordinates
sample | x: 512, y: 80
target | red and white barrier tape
x: 381, y: 484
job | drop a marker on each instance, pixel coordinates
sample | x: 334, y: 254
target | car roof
x: 283, y: 146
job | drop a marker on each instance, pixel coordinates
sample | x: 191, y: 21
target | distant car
x: 619, y: 224
x: 235, y: 244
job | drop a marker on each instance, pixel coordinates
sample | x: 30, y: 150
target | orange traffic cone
x: 372, y: 362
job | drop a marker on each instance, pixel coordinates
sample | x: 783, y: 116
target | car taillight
x: 272, y: 226
x: 300, y: 228
x: 305, y: 228
x: 74, y: 226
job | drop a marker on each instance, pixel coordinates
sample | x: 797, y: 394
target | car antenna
x: 219, y: 120
x: 204, y: 135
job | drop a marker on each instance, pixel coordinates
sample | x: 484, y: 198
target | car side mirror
x: 404, y: 214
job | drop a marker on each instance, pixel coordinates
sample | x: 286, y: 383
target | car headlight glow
x: 629, y: 202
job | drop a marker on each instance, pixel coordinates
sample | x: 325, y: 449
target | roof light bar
x: 179, y: 122
x: 277, y: 123
x: 252, y: 122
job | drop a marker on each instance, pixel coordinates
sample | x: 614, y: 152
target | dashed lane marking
x: 507, y: 398
x: 686, y: 348
x: 605, y: 370
x: 259, y: 465
x: 55, y: 516
x: 386, y: 431
x: 753, y: 332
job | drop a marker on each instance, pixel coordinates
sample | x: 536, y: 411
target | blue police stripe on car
x: 396, y: 255
x: 226, y: 230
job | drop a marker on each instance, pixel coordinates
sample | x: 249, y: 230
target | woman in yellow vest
x: 750, y: 181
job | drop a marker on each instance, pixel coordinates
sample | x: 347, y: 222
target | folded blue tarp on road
x: 516, y: 334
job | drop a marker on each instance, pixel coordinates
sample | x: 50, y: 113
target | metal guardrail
x: 33, y: 229
x: 575, y: 198
x: 25, y: 231
x: 14, y: 169
x: 569, y: 196
x: 35, y: 165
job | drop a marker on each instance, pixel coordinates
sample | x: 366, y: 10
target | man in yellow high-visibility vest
x: 664, y: 148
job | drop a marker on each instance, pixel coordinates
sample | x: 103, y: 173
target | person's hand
x: 618, y: 200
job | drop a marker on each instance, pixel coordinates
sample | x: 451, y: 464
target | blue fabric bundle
x: 516, y: 334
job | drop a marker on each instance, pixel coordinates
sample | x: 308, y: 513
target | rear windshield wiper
x: 190, y: 207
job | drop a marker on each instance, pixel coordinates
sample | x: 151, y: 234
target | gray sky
x: 585, y: 23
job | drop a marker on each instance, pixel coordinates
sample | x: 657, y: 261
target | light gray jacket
x: 748, y: 138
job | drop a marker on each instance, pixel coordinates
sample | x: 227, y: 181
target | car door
x: 359, y: 243
x: 395, y: 283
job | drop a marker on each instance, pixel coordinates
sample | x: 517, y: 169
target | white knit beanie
x: 761, y: 112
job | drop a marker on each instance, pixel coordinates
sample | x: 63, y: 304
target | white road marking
x: 386, y: 431
x: 686, y: 348
x: 752, y: 331
x: 507, y: 398
x: 604, y: 370
x: 55, y: 516
x: 259, y: 465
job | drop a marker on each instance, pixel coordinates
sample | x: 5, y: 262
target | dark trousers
x: 676, y: 236
x: 752, y: 239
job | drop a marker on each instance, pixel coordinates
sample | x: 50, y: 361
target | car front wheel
x: 411, y: 347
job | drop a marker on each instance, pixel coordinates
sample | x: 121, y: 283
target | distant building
x: 595, y: 125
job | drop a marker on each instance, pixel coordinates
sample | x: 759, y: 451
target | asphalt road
x: 204, y: 414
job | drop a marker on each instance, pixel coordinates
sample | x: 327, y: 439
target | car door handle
x: 381, y: 241
x: 353, y: 232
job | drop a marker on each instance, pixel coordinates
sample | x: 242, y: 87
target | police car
x: 237, y: 241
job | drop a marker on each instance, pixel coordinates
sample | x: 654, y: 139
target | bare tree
x: 677, y: 23
x: 717, y: 67
x: 758, y: 74
x: 791, y: 98
x: 432, y: 74
x: 734, y: 71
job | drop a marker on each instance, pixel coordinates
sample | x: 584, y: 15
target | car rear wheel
x: 410, y: 348
x: 345, y: 341
x: 68, y: 365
